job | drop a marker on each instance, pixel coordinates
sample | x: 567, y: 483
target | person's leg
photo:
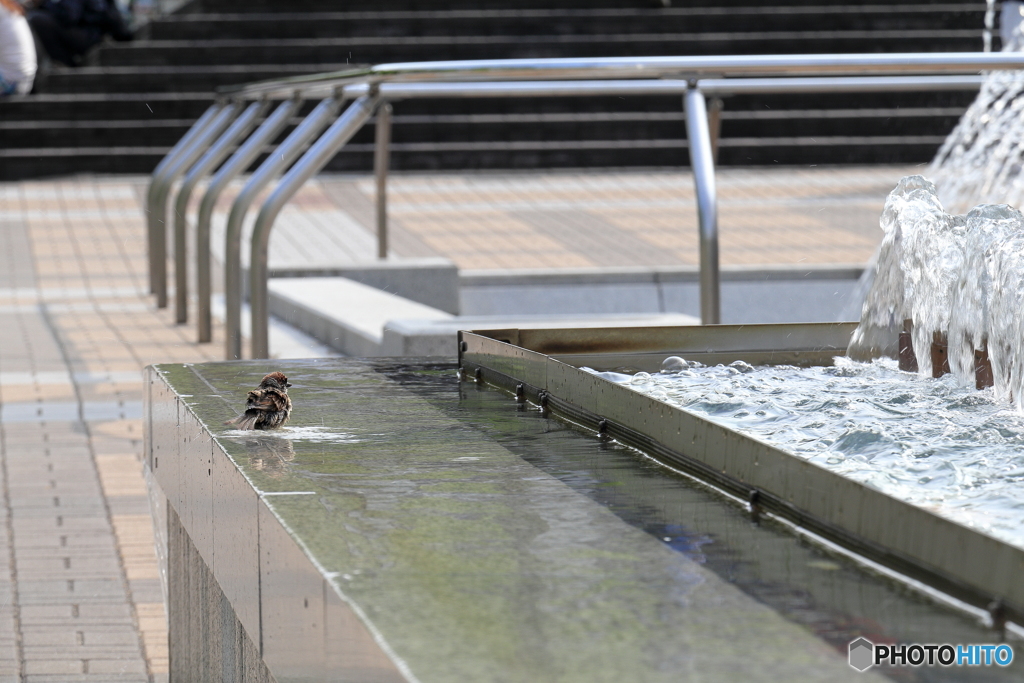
x: 44, y: 65
x: 116, y: 25
x: 62, y: 44
x: 80, y: 41
x: 48, y: 32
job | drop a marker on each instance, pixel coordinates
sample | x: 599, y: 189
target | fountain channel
x: 949, y: 291
x: 861, y: 455
x: 410, y: 524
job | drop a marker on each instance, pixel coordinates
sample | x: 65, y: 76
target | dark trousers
x: 64, y: 45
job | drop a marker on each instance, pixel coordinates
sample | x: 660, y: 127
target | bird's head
x: 275, y: 379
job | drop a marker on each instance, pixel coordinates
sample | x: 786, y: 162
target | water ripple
x: 932, y: 442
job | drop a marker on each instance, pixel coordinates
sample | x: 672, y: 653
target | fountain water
x: 959, y: 279
x: 981, y: 160
x: 863, y: 421
x: 955, y: 283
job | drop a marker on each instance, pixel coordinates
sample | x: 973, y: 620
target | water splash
x: 918, y: 266
x: 958, y: 278
x: 295, y: 433
x: 982, y: 159
x: 987, y: 310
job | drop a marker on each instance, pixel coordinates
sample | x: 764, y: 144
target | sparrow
x: 267, y: 406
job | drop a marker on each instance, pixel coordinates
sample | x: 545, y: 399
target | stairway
x: 128, y: 105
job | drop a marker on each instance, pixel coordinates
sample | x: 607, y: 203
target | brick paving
x: 80, y: 590
x: 79, y: 583
x: 563, y: 220
x: 496, y: 221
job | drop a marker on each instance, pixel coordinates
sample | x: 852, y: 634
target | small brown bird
x: 267, y: 406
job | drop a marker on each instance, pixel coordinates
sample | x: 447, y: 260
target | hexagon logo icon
x: 862, y: 654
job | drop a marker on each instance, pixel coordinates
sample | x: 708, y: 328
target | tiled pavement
x: 639, y: 219
x: 80, y: 594
x: 587, y: 220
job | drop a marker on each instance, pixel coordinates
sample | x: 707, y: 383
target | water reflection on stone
x: 269, y: 454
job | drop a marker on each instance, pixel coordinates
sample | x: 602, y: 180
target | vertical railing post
x: 239, y: 161
x: 990, y: 25
x: 381, y: 159
x: 715, y: 125
x: 216, y: 146
x: 702, y: 163
x: 174, y: 164
x: 279, y: 159
x: 319, y: 153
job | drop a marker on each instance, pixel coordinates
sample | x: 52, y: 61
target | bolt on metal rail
x: 206, y: 144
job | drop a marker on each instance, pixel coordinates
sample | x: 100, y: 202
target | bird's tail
x: 243, y: 421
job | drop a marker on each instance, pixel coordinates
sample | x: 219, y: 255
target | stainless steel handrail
x: 700, y: 66
x: 727, y: 75
x: 665, y: 86
x: 696, y: 130
x: 169, y: 168
x: 287, y: 152
x: 703, y: 165
x: 833, y: 84
x: 198, y: 147
x: 319, y: 153
x: 679, y: 67
x: 381, y: 159
x: 239, y: 161
x: 238, y: 129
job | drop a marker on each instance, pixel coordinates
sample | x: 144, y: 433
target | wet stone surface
x: 484, y: 542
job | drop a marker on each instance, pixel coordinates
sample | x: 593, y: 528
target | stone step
x: 18, y: 164
x: 424, y: 131
x: 117, y: 106
x: 184, y: 105
x: 666, y: 153
x: 194, y: 78
x: 562, y: 22
x: 297, y: 6
x: 39, y: 162
x: 380, y: 49
x: 103, y: 133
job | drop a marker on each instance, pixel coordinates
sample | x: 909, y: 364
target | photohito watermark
x: 864, y: 654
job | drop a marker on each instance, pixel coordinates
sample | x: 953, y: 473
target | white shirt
x: 17, y: 51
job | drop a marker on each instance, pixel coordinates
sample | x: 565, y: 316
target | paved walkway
x: 497, y: 221
x: 573, y: 220
x: 80, y: 592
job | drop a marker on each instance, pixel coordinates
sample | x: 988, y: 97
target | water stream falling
x: 981, y: 160
x: 954, y: 278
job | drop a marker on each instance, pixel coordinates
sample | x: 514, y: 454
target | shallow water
x: 932, y: 442
x: 312, y: 434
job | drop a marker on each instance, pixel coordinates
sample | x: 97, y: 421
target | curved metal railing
x: 327, y: 129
